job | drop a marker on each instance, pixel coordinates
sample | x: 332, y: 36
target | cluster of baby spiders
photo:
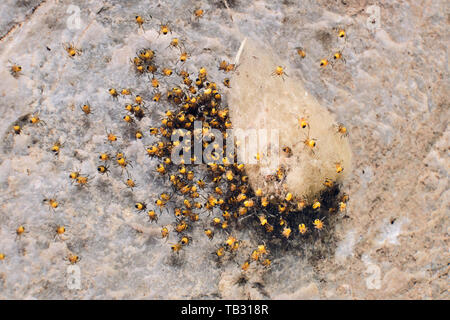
x: 218, y: 194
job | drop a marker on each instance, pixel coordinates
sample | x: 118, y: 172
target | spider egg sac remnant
x: 283, y: 116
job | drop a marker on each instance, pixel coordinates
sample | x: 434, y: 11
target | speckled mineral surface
x: 390, y: 89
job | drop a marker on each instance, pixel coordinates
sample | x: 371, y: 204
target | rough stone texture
x: 392, y: 94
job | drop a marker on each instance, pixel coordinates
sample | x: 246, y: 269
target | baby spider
x: 318, y: 224
x: 138, y: 135
x: 146, y: 54
x: 185, y: 240
x: 160, y: 203
x: 71, y: 50
x: 287, y: 151
x: 35, y: 120
x: 139, y: 21
x: 140, y: 206
x: 136, y: 61
x: 342, y: 130
x: 183, y: 57
x: 231, y: 67
x: 164, y: 29
x: 154, y: 82
x: 202, y: 73
x: 129, y: 107
x: 345, y: 198
x: 338, y: 56
x: 140, y: 69
x: 86, y: 108
x: 15, y: 70
x: 138, y: 111
x: 310, y: 143
x: 339, y: 167
x: 126, y: 92
x: 59, y: 232
x: 279, y: 71
x: 176, y: 247
x: 20, y: 231
x: 164, y: 233
x: 341, y: 33
x: 223, y: 65
x: 72, y: 258
x: 52, y: 203
x: 17, y: 129
x: 323, y: 63
x: 262, y: 249
x: 302, y: 228
x: 269, y: 227
x: 316, y: 205
x: 180, y: 226
x: 209, y: 233
x: 303, y: 122
x: 265, y: 201
x: 82, y: 181
x: 73, y: 176
x: 220, y: 252
x: 266, y: 263
x: 130, y: 184
x: 199, y: 14
x: 255, y: 255
x: 161, y: 169
x: 175, y: 43
x: 328, y: 183
x: 342, y: 206
x: 167, y: 72
x: 152, y: 216
x: 56, y: 147
x: 103, y: 169
x: 156, y: 98
x: 301, y: 52
x: 152, y: 68
x: 104, y: 156
x: 262, y: 220
x: 289, y: 196
x: 128, y: 119
x: 230, y: 241
x: 123, y: 163
x: 113, y: 92
x: 286, y: 232
x: 111, y: 137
